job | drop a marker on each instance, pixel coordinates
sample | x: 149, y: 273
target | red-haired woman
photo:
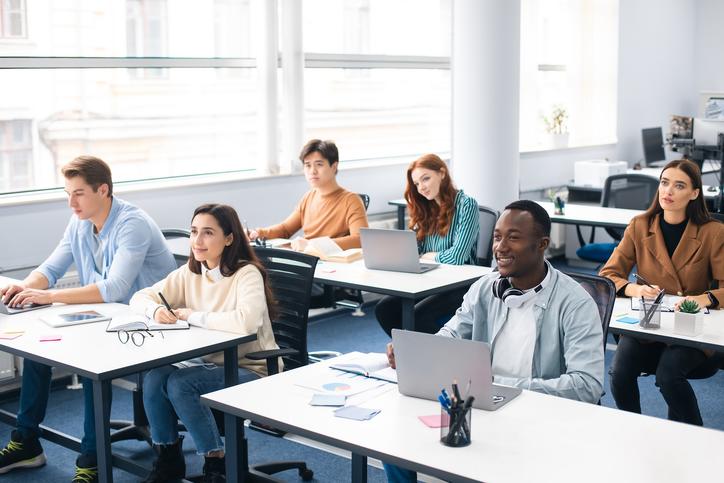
x: 446, y: 224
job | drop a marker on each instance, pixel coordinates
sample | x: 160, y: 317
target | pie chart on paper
x: 336, y: 387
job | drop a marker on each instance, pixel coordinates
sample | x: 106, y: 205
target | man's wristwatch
x: 712, y: 300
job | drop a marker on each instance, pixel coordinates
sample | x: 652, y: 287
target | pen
x: 456, y: 392
x: 643, y: 280
x: 163, y: 299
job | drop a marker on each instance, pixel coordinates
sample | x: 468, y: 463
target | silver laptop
x: 4, y: 309
x: 394, y: 250
x: 427, y: 363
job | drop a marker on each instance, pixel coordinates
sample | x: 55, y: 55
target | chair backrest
x: 171, y: 233
x: 632, y: 191
x: 365, y: 200
x: 290, y: 277
x: 487, y: 217
x: 603, y: 292
x: 718, y: 216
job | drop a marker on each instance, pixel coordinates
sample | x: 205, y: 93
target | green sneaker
x: 86, y: 469
x: 21, y: 453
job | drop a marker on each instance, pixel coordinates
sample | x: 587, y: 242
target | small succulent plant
x: 689, y: 307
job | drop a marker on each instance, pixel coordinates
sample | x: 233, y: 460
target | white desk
x: 533, y: 438
x: 712, y: 336
x: 408, y: 286
x: 590, y: 215
x: 90, y: 351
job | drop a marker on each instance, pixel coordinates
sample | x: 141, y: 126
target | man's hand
x: 30, y: 296
x: 164, y: 316
x: 9, y: 291
x: 391, y: 356
x: 299, y: 244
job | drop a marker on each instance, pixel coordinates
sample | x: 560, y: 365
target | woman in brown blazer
x: 676, y: 246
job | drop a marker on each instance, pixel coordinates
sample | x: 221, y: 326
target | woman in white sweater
x: 223, y: 287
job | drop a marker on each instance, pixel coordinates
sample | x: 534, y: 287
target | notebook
x: 130, y: 322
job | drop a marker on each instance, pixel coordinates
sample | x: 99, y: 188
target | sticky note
x: 628, y: 320
x: 431, y: 421
x: 50, y: 338
x: 357, y: 413
x: 327, y: 400
x: 10, y: 335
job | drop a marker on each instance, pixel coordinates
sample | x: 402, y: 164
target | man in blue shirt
x: 117, y: 250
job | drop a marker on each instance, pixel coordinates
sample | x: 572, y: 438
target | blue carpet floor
x: 343, y: 333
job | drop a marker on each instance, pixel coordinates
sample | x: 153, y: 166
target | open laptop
x: 427, y: 363
x: 4, y: 309
x: 394, y: 250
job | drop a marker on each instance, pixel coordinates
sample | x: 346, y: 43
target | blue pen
x: 447, y: 398
x: 444, y: 403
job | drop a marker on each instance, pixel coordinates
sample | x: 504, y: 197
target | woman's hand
x: 429, y: 256
x: 183, y: 314
x: 701, y: 300
x: 391, y: 355
x: 253, y: 234
x: 638, y: 291
x: 164, y: 316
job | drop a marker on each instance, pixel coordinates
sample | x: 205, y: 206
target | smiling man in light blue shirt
x: 117, y: 250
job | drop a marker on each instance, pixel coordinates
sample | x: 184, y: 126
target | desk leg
x: 401, y: 217
x: 237, y: 464
x: 408, y: 314
x: 101, y: 397
x: 359, y: 468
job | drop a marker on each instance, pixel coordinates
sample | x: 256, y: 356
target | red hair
x: 426, y: 216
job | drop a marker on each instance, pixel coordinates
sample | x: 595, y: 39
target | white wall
x: 657, y: 75
x: 709, y: 46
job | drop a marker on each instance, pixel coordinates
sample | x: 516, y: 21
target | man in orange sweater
x: 327, y: 209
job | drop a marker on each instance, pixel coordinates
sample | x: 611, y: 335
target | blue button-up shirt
x: 134, y: 253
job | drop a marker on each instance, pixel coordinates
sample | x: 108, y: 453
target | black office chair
x: 138, y: 428
x: 629, y: 190
x: 603, y: 292
x: 718, y: 216
x: 487, y: 217
x: 290, y: 276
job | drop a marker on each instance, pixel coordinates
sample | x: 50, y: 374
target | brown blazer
x: 697, y: 261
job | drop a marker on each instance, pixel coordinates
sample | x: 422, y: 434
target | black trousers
x: 673, y: 365
x: 430, y: 313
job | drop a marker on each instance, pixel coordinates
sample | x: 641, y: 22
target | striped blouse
x: 460, y: 244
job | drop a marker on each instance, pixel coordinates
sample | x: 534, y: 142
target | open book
x: 327, y: 250
x: 139, y: 322
x: 372, y: 364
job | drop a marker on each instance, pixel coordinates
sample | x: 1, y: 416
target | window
x: 146, y: 33
x: 378, y: 86
x: 12, y: 19
x: 16, y: 154
x: 568, y: 61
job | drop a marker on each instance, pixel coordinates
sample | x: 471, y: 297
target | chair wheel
x: 306, y: 474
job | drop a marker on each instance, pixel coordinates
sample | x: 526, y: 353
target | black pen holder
x: 455, y: 428
x: 650, y: 315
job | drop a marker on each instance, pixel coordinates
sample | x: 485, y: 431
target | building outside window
x: 12, y: 19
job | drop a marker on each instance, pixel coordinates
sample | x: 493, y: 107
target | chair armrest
x: 262, y: 355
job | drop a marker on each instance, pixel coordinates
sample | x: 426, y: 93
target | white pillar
x: 292, y: 86
x: 486, y: 91
x: 267, y: 80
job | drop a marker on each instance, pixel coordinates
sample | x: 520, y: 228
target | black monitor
x: 653, y: 141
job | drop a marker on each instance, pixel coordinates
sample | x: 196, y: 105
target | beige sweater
x: 338, y: 215
x: 234, y: 304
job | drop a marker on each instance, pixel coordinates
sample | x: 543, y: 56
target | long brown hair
x: 426, y: 216
x: 696, y: 210
x: 238, y: 254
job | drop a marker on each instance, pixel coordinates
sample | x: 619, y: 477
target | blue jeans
x: 396, y: 474
x: 171, y: 393
x: 34, y: 394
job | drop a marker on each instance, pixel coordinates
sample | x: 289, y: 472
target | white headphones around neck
x: 513, y: 297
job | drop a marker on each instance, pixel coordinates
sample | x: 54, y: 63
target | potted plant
x: 688, y: 320
x: 557, y: 127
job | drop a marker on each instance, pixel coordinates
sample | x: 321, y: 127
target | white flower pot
x: 559, y: 140
x: 688, y: 324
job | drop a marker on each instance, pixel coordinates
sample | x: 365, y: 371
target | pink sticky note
x: 328, y: 270
x: 431, y: 421
x: 10, y: 335
x: 50, y: 338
